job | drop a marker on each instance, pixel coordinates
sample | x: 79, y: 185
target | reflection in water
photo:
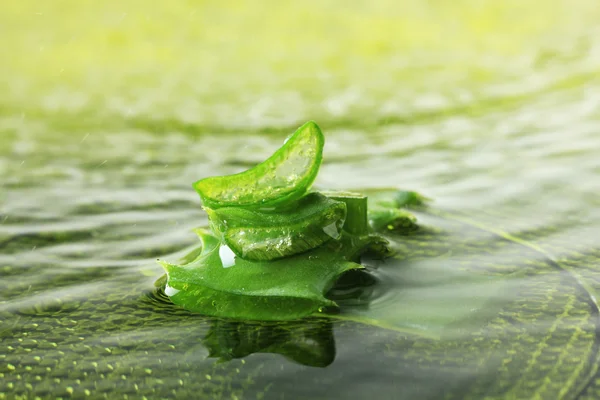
x: 307, y: 342
x: 357, y: 288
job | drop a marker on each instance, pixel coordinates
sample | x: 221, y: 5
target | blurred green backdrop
x: 242, y: 64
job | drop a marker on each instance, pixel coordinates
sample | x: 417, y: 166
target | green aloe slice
x: 395, y: 198
x: 216, y: 284
x: 356, y: 204
x: 286, y: 175
x: 408, y: 198
x: 259, y: 235
x: 392, y: 219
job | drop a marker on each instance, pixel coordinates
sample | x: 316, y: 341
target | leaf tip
x: 312, y: 128
x: 166, y: 266
x: 203, y: 235
x: 312, y: 125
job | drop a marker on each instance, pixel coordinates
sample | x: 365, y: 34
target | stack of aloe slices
x: 274, y: 248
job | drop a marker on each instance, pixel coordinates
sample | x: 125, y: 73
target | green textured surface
x: 109, y: 110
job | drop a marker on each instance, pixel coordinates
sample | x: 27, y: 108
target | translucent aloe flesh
x: 258, y: 235
x: 273, y: 243
x: 356, y: 204
x: 285, y: 289
x: 285, y: 176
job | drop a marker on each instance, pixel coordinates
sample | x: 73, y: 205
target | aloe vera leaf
x: 408, y: 198
x: 275, y: 243
x: 309, y: 207
x: 392, y: 219
x: 285, y: 176
x: 285, y: 289
x: 258, y: 235
x: 395, y: 198
x: 356, y: 205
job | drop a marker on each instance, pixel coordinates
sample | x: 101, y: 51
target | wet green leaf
x: 217, y: 283
x: 387, y: 209
x: 392, y: 219
x: 285, y: 176
x: 260, y: 235
x: 356, y: 206
x: 395, y: 198
x: 408, y: 198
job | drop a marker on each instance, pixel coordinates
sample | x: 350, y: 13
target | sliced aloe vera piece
x: 392, y: 219
x: 286, y: 175
x: 356, y: 204
x: 259, y: 235
x: 258, y: 290
x: 395, y: 198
